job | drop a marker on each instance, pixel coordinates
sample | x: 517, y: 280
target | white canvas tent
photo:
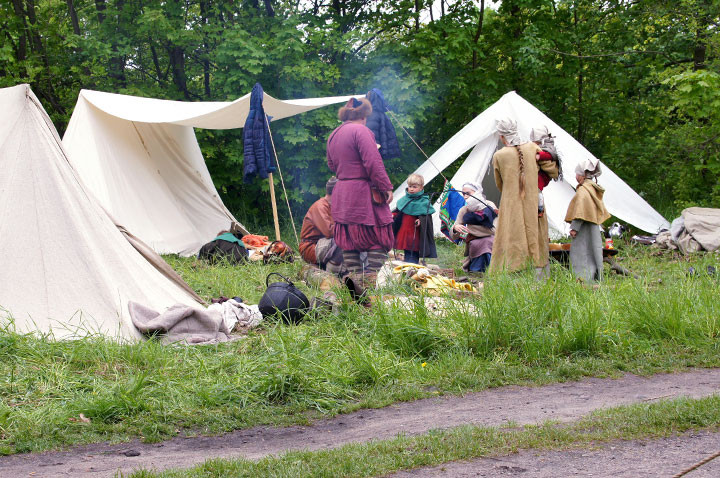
x: 480, y: 136
x: 141, y: 159
x: 66, y: 268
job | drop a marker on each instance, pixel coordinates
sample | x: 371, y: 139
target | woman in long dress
x: 360, y: 200
x: 521, y: 237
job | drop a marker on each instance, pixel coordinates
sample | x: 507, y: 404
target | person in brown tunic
x: 317, y: 245
x: 521, y: 237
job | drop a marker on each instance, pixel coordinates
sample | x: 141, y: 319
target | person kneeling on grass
x: 585, y: 214
x: 412, y: 222
x: 317, y: 245
x: 474, y: 224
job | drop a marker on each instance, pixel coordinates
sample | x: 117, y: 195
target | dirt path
x: 661, y: 458
x: 521, y: 405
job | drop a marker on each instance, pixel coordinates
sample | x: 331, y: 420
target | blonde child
x: 412, y: 222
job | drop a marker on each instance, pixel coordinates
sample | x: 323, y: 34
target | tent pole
x: 274, y: 207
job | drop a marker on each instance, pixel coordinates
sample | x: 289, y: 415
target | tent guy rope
x: 415, y: 143
x: 282, y: 182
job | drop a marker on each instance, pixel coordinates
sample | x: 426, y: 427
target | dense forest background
x: 636, y: 81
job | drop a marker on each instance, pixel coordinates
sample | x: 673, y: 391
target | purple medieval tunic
x: 360, y: 224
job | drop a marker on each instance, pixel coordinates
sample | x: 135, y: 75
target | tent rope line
x: 415, y: 143
x: 282, y: 182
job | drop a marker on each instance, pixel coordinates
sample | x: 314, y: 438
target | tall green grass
x: 516, y: 330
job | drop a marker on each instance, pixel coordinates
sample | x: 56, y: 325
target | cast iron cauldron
x: 283, y: 300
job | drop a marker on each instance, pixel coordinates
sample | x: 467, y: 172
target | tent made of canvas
x: 141, y: 159
x: 481, y: 139
x: 66, y: 268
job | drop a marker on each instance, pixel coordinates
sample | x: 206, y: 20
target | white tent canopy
x: 480, y: 136
x: 67, y: 269
x: 141, y: 159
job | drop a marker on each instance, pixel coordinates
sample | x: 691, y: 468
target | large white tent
x: 66, y: 267
x: 141, y: 159
x: 481, y: 137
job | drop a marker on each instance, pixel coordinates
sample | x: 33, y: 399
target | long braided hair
x: 522, y: 172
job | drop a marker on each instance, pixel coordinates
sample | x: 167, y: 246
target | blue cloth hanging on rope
x: 381, y: 126
x: 257, y: 153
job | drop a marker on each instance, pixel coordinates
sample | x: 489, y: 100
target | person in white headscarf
x: 585, y: 214
x: 474, y: 225
x: 549, y: 167
x: 521, y: 238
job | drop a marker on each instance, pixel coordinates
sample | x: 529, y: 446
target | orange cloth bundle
x: 254, y: 241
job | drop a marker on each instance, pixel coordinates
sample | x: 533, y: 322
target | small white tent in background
x: 66, y: 268
x: 480, y: 136
x: 141, y: 159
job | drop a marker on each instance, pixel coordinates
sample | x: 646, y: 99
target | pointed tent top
x: 480, y: 136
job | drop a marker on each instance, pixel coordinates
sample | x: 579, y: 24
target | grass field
x: 524, y: 331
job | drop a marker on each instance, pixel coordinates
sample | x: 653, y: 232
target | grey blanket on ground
x: 180, y: 323
x: 697, y: 229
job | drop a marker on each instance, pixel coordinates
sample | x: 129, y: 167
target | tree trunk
x: 205, y: 15
x: 35, y: 39
x: 417, y: 15
x: 73, y: 17
x: 478, y: 32
x: 269, y: 8
x: 100, y: 8
x: 517, y: 33
x: 177, y: 62
x: 580, y: 119
x: 22, y: 40
x: 700, y: 50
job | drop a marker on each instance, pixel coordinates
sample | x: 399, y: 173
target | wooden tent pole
x: 274, y: 207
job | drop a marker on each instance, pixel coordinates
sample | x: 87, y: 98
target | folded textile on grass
x: 421, y: 277
x: 237, y: 315
x: 181, y: 323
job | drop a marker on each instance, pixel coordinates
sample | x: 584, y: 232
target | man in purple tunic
x: 359, y: 205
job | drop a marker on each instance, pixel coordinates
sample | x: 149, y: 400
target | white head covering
x: 508, y: 128
x: 473, y: 204
x: 474, y: 186
x: 539, y: 133
x: 590, y: 168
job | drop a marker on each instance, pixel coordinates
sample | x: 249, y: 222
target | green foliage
x: 636, y: 82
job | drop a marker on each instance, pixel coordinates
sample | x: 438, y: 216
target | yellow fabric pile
x: 424, y: 279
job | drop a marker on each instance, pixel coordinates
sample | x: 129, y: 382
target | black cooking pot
x: 283, y: 300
